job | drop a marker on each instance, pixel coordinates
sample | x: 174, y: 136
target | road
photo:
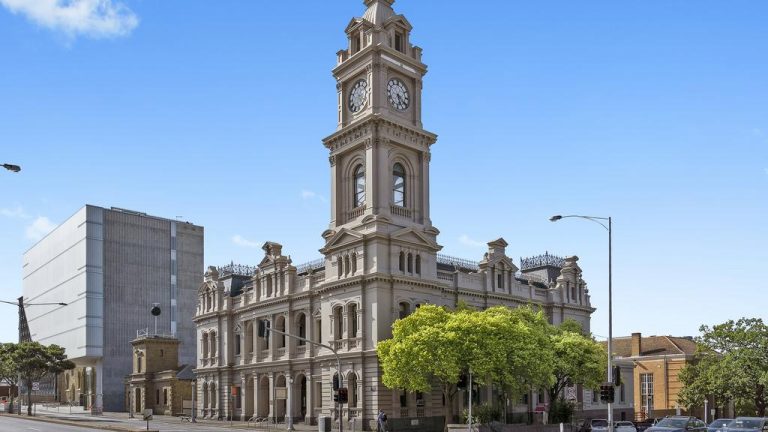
x: 9, y: 423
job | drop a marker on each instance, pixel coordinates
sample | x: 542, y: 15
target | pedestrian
x: 382, y: 420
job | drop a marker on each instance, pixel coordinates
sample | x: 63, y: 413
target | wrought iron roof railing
x: 542, y: 261
x: 237, y: 270
x: 310, y: 266
x: 458, y: 262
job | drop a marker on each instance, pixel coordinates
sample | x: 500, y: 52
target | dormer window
x: 400, y: 41
x: 355, y: 43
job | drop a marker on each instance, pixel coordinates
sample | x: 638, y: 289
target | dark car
x: 746, y: 424
x: 678, y: 424
x: 642, y: 425
x: 719, y: 425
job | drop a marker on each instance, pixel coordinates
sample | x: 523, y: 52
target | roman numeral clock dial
x: 358, y: 96
x: 397, y: 93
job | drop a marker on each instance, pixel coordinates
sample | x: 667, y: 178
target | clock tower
x: 380, y: 154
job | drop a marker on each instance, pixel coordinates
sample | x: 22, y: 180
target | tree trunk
x: 29, y: 398
x: 760, y: 400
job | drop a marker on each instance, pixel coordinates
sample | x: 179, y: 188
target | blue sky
x: 654, y: 113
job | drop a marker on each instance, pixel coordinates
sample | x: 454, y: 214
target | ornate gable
x: 414, y: 237
x: 341, y: 238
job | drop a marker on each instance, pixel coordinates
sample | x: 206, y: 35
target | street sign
x: 570, y: 393
x: 35, y: 386
x: 281, y: 393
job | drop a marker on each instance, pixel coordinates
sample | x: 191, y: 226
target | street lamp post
x: 598, y: 220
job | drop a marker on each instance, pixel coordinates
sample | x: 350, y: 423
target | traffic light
x: 606, y: 393
x: 616, y: 376
x: 343, y: 395
x: 335, y: 395
x: 264, y: 328
x: 462, y: 384
x: 335, y: 382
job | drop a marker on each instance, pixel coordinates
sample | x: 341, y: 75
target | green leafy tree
x: 33, y: 361
x: 8, y: 373
x: 732, y: 366
x: 510, y: 347
x: 578, y: 359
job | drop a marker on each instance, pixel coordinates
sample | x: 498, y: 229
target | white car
x: 598, y: 425
x: 625, y: 426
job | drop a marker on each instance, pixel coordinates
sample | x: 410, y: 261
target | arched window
x: 346, y: 265
x: 352, y: 320
x: 351, y: 384
x: 410, y: 263
x: 301, y: 327
x: 359, y: 186
x: 280, y: 326
x: 405, y: 310
x: 338, y: 324
x: 418, y: 264
x: 402, y: 262
x: 269, y: 285
x: 398, y: 185
x: 205, y: 345
x: 213, y: 344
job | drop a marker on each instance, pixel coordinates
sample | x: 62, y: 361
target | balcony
x: 356, y: 213
x: 401, y: 211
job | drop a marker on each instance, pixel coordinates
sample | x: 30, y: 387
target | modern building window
x: 359, y: 186
x: 398, y: 185
x: 646, y: 393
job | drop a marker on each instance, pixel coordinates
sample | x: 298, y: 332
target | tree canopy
x: 512, y: 348
x: 31, y: 361
x: 732, y: 365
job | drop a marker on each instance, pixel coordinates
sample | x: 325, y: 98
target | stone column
x: 256, y: 395
x: 310, y: 400
x: 242, y: 398
x: 272, y: 395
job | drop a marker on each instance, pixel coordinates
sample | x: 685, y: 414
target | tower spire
x: 378, y: 11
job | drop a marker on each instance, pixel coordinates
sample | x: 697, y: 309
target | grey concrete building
x: 110, y: 266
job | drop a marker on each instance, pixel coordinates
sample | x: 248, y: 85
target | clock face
x: 397, y: 93
x: 358, y: 96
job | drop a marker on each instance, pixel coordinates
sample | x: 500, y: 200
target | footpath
x: 120, y: 421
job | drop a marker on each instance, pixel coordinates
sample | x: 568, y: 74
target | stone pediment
x: 341, y: 238
x: 207, y: 285
x: 412, y: 236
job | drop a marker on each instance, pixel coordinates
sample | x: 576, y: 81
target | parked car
x: 645, y: 424
x: 598, y: 425
x: 740, y: 424
x: 719, y: 425
x: 624, y: 426
x: 678, y: 424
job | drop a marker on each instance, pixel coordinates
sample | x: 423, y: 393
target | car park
x: 719, y: 425
x: 678, y: 424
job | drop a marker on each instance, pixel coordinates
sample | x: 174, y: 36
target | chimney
x: 637, y: 344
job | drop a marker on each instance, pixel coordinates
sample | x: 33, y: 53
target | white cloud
x: 14, y: 213
x: 308, y: 195
x: 94, y: 18
x: 242, y: 241
x: 467, y: 241
x: 39, y: 228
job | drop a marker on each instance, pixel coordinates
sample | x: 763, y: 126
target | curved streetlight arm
x: 594, y: 219
x: 12, y: 167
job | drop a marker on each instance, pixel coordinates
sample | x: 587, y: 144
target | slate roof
x: 654, y: 345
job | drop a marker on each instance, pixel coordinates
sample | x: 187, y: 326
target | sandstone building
x: 381, y: 260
